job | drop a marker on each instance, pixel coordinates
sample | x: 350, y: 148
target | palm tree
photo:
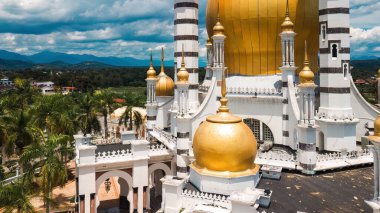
x: 48, y: 153
x: 16, y: 197
x: 133, y: 100
x: 55, y: 114
x: 87, y: 115
x: 106, y: 104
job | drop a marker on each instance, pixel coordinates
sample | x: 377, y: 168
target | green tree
x: 106, y: 104
x: 48, y: 153
x: 16, y: 197
x: 87, y: 115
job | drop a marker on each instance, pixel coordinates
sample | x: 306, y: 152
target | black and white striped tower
x: 307, y: 128
x: 186, y: 33
x: 151, y: 103
x: 335, y: 115
x: 288, y: 68
x: 183, y: 120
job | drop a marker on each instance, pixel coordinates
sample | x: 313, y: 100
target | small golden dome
x: 287, y: 25
x: 164, y: 84
x: 306, y: 75
x: 218, y: 29
x: 183, y: 75
x: 151, y: 73
x: 378, y: 73
x: 224, y: 143
x: 209, y: 43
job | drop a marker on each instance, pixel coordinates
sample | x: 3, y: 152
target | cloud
x: 129, y: 28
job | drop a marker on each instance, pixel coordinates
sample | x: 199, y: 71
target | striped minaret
x: 288, y: 68
x: 335, y: 114
x: 186, y: 33
x: 183, y: 120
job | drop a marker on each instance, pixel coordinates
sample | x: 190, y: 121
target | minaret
x: 335, y: 115
x: 186, y: 33
x: 151, y: 103
x: 183, y: 120
x: 288, y: 68
x: 218, y: 50
x: 307, y: 129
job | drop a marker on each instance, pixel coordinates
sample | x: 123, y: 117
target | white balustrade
x: 112, y: 156
x: 339, y: 156
x: 192, y: 198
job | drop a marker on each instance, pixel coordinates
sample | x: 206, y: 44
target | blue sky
x: 128, y: 28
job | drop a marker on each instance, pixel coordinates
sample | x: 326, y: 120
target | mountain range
x: 11, y: 60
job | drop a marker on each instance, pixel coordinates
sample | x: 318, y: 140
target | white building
x: 209, y: 162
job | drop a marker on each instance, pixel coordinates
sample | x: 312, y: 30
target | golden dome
x: 378, y: 73
x: 151, y: 73
x: 218, y: 29
x: 164, y: 84
x: 224, y: 144
x: 306, y: 75
x: 183, y: 75
x: 253, y: 28
x: 376, y: 135
x: 287, y: 25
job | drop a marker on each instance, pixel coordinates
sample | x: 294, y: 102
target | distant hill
x: 48, y: 57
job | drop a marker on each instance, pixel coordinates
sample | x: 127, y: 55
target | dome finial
x: 183, y: 56
x: 151, y: 73
x: 218, y: 28
x: 287, y: 25
x: 223, y: 101
x: 306, y: 62
x: 183, y: 75
x: 162, y: 60
x: 306, y: 75
x: 151, y: 57
x: 287, y: 9
x: 218, y: 17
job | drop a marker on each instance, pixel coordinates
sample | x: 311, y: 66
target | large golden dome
x: 376, y: 135
x: 224, y: 144
x: 252, y: 27
x: 164, y: 84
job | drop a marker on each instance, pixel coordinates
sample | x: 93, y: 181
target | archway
x: 154, y: 192
x: 120, y: 185
x: 261, y: 131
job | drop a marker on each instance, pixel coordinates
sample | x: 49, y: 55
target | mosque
x: 278, y: 79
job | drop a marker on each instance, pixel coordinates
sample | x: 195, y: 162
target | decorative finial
x: 162, y: 60
x: 223, y: 101
x: 287, y: 8
x: 218, y: 17
x: 183, y: 56
x: 151, y: 57
x: 306, y: 63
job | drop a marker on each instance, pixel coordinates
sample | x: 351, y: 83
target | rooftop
x: 339, y: 191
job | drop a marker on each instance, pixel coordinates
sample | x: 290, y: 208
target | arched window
x: 261, y: 131
x: 334, y: 50
x: 345, y: 70
x: 323, y: 32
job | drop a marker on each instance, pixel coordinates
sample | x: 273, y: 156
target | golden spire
x: 287, y: 25
x: 151, y: 73
x: 209, y: 43
x: 218, y: 28
x: 183, y: 75
x: 306, y: 75
x: 162, y: 60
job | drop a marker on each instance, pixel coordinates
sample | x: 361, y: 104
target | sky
x: 129, y: 28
